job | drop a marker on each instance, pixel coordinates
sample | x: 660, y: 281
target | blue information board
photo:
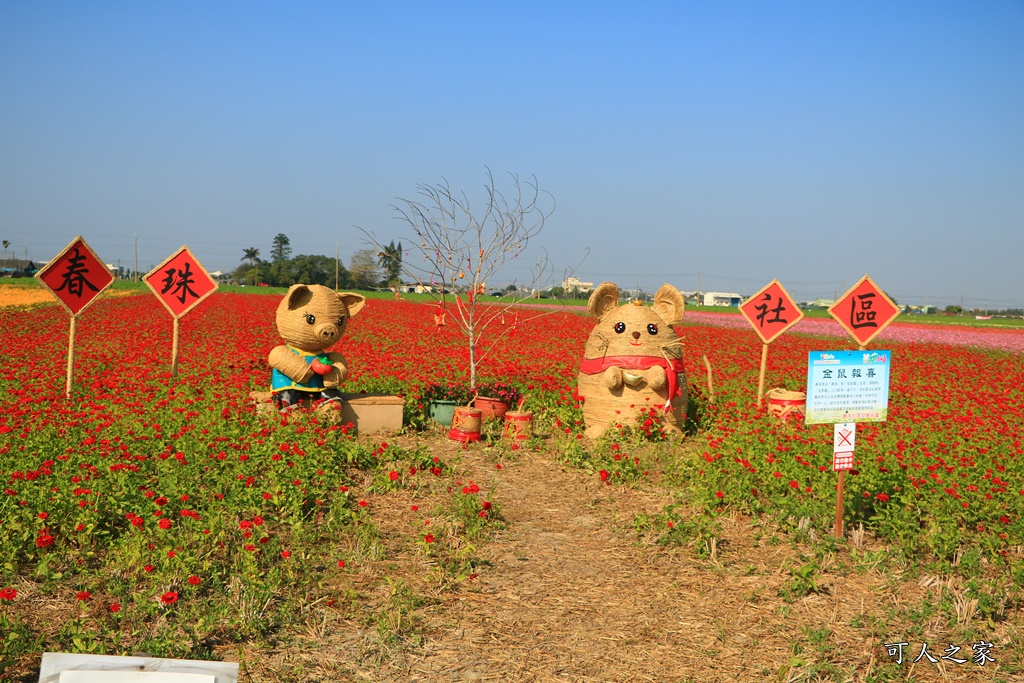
x: 847, y: 386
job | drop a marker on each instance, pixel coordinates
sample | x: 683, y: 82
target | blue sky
x: 813, y: 142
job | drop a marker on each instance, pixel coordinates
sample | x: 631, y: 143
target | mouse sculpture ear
x: 605, y: 298
x: 669, y: 304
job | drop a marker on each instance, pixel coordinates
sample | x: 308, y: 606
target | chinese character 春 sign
x: 180, y: 282
x: 76, y: 276
x: 864, y: 310
x: 847, y: 386
x: 771, y: 311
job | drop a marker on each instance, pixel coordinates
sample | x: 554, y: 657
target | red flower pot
x: 491, y: 407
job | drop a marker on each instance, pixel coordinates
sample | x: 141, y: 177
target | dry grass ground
x: 569, y: 591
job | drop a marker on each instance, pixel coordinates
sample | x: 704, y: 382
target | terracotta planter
x: 491, y: 407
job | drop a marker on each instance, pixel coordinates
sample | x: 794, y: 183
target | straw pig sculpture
x: 633, y: 360
x: 310, y: 319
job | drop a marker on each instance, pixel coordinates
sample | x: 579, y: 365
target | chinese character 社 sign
x: 771, y: 311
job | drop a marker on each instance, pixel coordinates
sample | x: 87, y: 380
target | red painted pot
x: 518, y: 425
x: 465, y: 424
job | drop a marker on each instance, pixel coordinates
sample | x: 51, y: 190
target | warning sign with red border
x: 180, y: 282
x: 844, y: 439
x: 771, y: 311
x: 76, y: 276
x: 864, y: 310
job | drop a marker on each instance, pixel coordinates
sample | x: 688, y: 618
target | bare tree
x: 458, y: 248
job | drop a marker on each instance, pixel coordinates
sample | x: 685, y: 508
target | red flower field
x: 148, y: 494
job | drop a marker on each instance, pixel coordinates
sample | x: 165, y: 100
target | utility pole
x: 698, y: 288
x: 135, y: 272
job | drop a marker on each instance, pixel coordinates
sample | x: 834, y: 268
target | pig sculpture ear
x: 605, y: 298
x: 669, y: 304
x: 353, y: 302
x: 298, y: 296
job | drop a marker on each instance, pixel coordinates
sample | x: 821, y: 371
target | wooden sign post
x: 76, y: 277
x: 843, y: 388
x: 180, y: 282
x: 771, y: 311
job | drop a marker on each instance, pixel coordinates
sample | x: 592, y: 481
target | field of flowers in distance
x: 172, y: 516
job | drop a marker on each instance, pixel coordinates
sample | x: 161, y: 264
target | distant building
x: 574, y: 283
x: 721, y: 299
x: 16, y: 267
x: 416, y: 288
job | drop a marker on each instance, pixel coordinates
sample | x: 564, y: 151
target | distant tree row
x: 366, y: 270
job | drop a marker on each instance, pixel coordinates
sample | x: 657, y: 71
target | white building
x: 721, y: 299
x: 571, y: 283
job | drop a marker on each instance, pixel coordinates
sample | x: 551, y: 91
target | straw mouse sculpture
x: 310, y: 319
x: 633, y: 360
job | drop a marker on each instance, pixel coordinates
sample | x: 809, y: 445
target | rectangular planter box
x: 372, y: 413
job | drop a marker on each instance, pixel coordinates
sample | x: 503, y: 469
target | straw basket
x: 518, y: 425
x: 785, y: 404
x: 465, y: 424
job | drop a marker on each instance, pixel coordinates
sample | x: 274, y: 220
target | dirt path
x: 571, y: 594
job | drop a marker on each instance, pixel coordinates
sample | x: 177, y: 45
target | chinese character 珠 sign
x: 771, y: 311
x: 180, y: 282
x: 76, y: 276
x: 864, y: 310
x: 847, y: 386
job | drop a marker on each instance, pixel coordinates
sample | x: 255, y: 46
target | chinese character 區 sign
x: 864, y: 310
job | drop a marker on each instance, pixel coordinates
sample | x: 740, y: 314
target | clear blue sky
x: 811, y: 142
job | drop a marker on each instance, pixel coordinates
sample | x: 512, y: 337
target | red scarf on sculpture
x: 672, y: 366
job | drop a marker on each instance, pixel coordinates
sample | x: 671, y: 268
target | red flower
x: 286, y: 554
x: 169, y: 598
x: 115, y: 607
x: 719, y: 494
x: 164, y: 523
x: 604, y: 475
x: 83, y: 595
x: 8, y: 594
x: 194, y: 580
x: 429, y: 538
x: 44, y: 540
x: 393, y: 475
x: 341, y: 564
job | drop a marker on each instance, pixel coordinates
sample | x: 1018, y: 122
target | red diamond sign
x: 76, y: 276
x: 771, y: 311
x: 180, y: 282
x: 864, y: 310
